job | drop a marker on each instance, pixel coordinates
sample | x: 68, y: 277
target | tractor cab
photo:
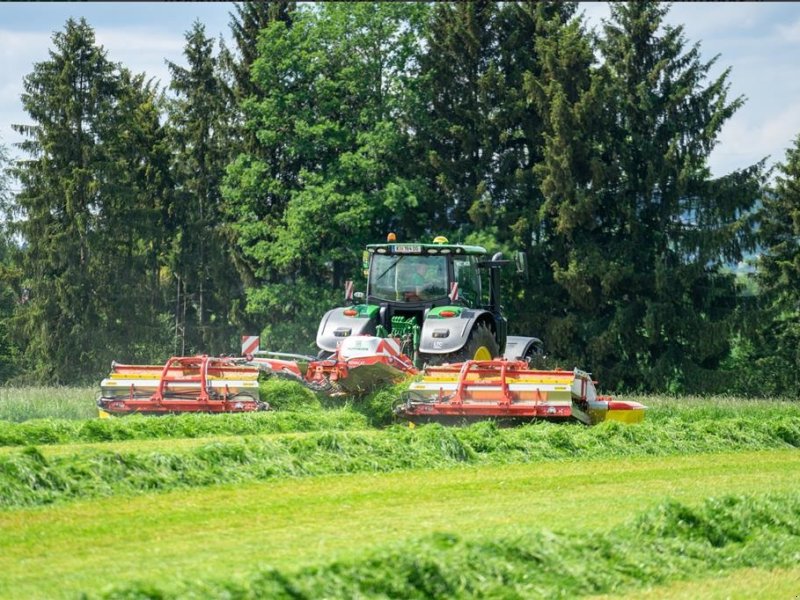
x: 428, y: 295
x: 413, y: 278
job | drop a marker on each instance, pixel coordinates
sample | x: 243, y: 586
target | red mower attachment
x: 510, y: 391
x: 361, y: 363
x: 184, y: 384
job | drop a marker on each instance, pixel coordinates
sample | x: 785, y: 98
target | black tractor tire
x: 481, y: 336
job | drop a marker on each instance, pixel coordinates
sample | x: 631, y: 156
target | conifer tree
x: 640, y: 228
x: 9, y: 276
x: 460, y: 81
x: 776, y: 348
x: 206, y: 282
x: 247, y: 22
x: 90, y: 205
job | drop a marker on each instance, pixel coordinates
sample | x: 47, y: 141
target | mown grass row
x: 28, y: 478
x: 297, y: 409
x: 64, y: 431
x: 673, y: 541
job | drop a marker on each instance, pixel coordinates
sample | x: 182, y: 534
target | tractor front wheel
x: 481, y: 345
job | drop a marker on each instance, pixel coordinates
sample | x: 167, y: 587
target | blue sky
x: 759, y: 41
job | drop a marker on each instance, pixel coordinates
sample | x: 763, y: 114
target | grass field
x: 699, y: 501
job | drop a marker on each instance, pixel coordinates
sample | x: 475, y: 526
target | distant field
x: 308, y: 502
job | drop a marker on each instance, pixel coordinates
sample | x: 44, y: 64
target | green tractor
x: 430, y: 297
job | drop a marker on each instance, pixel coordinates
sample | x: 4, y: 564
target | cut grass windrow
x: 671, y: 541
x: 137, y: 427
x: 298, y: 413
x: 29, y: 478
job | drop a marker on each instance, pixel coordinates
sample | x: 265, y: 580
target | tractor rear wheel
x: 481, y: 345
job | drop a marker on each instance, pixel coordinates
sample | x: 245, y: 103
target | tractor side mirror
x: 521, y: 263
x: 358, y: 295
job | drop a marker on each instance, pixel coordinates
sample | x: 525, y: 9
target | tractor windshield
x: 408, y: 277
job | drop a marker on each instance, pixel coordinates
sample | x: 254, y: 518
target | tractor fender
x: 448, y: 335
x: 336, y: 326
x: 522, y: 348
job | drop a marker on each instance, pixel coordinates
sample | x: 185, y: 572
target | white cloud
x: 790, y: 33
x: 142, y: 50
x: 139, y: 49
x: 746, y: 139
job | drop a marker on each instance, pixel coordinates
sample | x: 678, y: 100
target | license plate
x: 407, y: 249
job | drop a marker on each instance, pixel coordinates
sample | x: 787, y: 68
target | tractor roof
x: 425, y: 249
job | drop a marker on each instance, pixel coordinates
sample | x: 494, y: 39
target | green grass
x: 749, y: 583
x: 665, y: 408
x: 316, y: 501
x: 19, y: 404
x: 231, y: 533
x: 667, y: 542
x: 29, y: 477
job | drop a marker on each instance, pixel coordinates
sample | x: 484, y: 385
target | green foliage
x: 635, y: 229
x: 769, y: 354
x: 326, y: 126
x: 208, y: 289
x: 330, y: 172
x: 670, y: 542
x: 9, y: 276
x: 247, y: 21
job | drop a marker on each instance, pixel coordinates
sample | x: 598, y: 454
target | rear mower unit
x: 510, y: 391
x: 184, y: 384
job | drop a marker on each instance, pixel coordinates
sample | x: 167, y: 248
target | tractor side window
x: 468, y: 278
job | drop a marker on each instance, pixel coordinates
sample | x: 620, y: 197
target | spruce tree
x: 776, y: 348
x: 9, y: 276
x: 459, y: 81
x: 247, y: 22
x: 206, y: 282
x: 641, y: 229
x: 91, y: 207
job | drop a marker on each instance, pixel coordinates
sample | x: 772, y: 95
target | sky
x: 759, y: 41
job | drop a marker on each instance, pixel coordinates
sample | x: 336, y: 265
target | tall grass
x: 665, y: 408
x: 27, y: 477
x: 670, y: 542
x: 19, y: 404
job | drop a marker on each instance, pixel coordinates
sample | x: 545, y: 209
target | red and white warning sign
x: 453, y: 291
x: 249, y: 344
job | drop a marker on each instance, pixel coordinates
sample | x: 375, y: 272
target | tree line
x: 152, y: 221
